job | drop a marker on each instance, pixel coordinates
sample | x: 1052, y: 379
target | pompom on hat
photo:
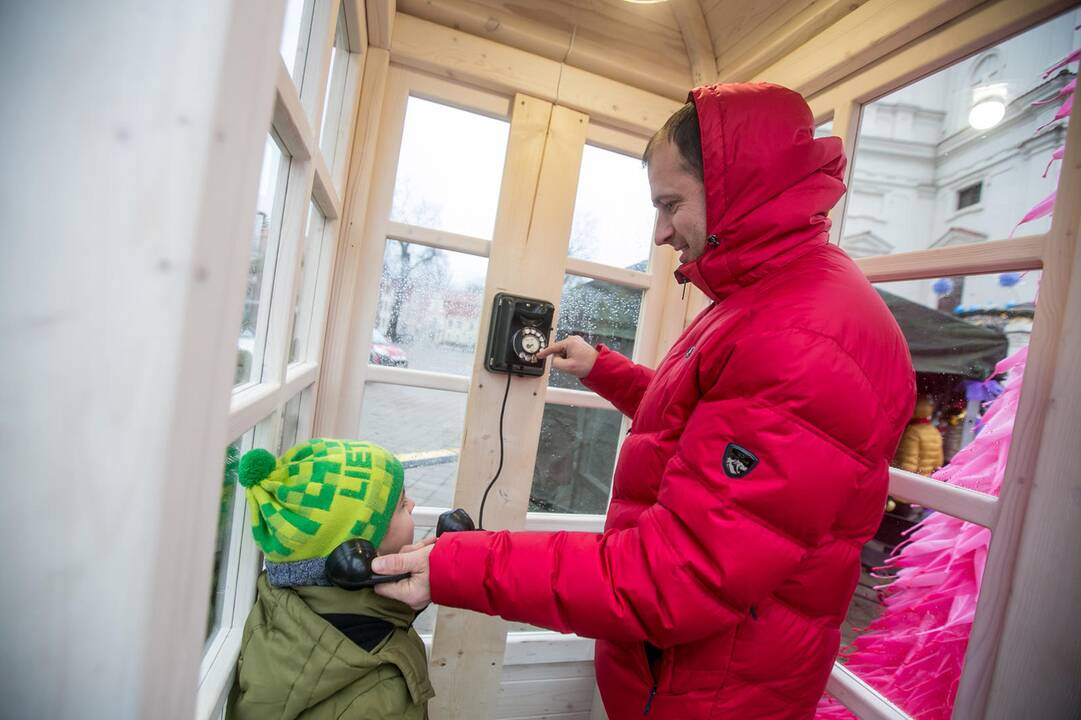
x: 318, y: 495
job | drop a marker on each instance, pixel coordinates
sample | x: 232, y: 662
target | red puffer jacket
x: 756, y: 465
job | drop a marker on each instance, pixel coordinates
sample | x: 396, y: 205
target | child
x: 310, y: 649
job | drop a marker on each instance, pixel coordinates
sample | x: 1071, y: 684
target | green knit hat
x: 318, y: 495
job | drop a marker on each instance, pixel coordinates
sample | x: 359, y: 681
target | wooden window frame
x: 259, y: 406
x: 1005, y: 515
x: 403, y: 82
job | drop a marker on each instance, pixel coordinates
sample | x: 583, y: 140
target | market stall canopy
x: 943, y: 344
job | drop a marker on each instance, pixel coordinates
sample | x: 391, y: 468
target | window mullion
x: 1023, y: 253
x: 317, y: 60
x: 286, y: 270
x: 861, y: 698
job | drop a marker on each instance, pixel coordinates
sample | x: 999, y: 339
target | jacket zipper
x: 649, y: 700
x: 653, y: 677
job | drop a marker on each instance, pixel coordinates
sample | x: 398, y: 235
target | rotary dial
x: 528, y: 342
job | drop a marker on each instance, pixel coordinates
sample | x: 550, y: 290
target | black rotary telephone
x: 520, y: 329
x: 349, y: 566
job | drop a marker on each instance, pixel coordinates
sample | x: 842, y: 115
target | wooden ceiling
x: 666, y: 48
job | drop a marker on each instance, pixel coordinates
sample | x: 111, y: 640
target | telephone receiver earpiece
x: 349, y: 566
x: 454, y: 521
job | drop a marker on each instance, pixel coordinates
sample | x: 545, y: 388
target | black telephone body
x: 520, y: 328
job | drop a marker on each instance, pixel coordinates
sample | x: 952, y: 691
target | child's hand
x: 416, y: 590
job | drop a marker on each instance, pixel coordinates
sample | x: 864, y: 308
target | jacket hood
x: 769, y: 183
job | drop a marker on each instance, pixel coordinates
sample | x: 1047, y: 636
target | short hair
x: 682, y: 130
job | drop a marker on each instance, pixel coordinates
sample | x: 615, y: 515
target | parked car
x: 386, y: 353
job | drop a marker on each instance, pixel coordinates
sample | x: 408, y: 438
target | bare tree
x: 583, y: 234
x: 402, y: 260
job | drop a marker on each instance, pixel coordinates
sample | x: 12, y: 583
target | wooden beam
x: 506, y: 28
x: 356, y: 25
x: 1024, y: 253
x: 846, y: 124
x: 439, y: 239
x: 380, y: 16
x: 700, y: 53
x: 673, y: 301
x: 458, y: 55
x: 323, y: 189
x: 1023, y: 656
x: 532, y: 227
x: 463, y: 57
x: 874, y: 30
x: 577, y: 398
x: 614, y: 103
x: 975, y: 507
x: 342, y: 99
x: 609, y: 273
x: 316, y: 70
x: 418, y: 378
x: 535, y: 648
x: 745, y: 53
x: 290, y: 121
x: 859, y: 697
x: 589, y: 37
x: 991, y: 23
x: 135, y: 339
x: 341, y: 309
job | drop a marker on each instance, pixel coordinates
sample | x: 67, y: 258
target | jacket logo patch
x: 738, y: 461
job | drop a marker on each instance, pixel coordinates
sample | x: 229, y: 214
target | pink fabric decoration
x: 1057, y: 155
x: 915, y: 651
x: 1065, y: 90
x: 1041, y: 209
x: 1063, y: 111
x: 1072, y: 57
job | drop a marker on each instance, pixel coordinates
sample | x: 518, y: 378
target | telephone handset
x: 520, y: 329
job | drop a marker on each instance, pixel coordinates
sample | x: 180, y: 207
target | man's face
x: 680, y: 199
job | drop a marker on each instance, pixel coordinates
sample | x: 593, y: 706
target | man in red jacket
x: 756, y: 465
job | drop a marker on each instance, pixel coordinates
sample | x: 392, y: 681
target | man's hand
x: 415, y: 591
x: 572, y: 355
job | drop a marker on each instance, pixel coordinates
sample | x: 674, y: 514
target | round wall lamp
x: 988, y: 106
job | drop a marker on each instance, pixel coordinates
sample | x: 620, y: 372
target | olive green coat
x: 295, y: 664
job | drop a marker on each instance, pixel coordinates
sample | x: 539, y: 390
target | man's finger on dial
x: 557, y: 348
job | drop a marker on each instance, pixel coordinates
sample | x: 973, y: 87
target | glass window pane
x: 923, y: 598
x: 333, y: 101
x: 958, y: 329
x: 425, y: 622
x: 824, y: 130
x: 291, y: 420
x: 451, y: 186
x: 922, y: 150
x: 613, y: 211
x: 310, y: 263
x: 575, y: 460
x: 264, y: 249
x: 429, y: 308
x: 226, y: 545
x: 424, y: 429
x: 601, y: 313
x: 294, y: 44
